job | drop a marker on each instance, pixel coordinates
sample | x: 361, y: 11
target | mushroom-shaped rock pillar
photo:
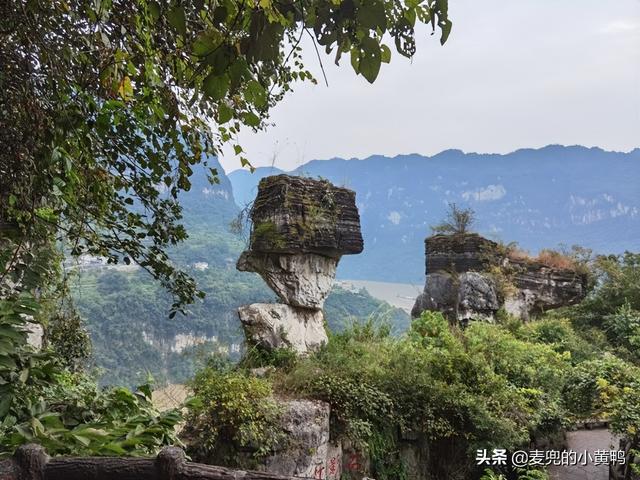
x: 300, y: 229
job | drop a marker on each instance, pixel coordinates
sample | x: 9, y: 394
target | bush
x: 617, y: 280
x: 42, y: 402
x: 72, y: 416
x: 595, y: 385
x: 623, y: 328
x: 487, y: 386
x: 444, y: 385
x: 559, y: 334
x: 232, y: 412
x: 458, y: 221
x: 555, y: 259
x: 67, y: 336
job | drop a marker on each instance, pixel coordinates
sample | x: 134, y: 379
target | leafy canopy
x: 457, y: 221
x: 107, y: 105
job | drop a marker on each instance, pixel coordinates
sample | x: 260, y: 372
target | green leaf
x: 206, y: 43
x: 83, y: 440
x: 238, y: 71
x: 371, y: 15
x: 114, y: 448
x: 385, y: 54
x: 177, y: 19
x: 125, y: 89
x: 251, y: 119
x: 154, y: 10
x: 216, y: 86
x: 410, y: 14
x: 256, y: 94
x: 12, y: 333
x: 355, y: 59
x: 5, y: 405
x: 91, y: 432
x: 7, y: 362
x: 446, y: 30
x: 370, y: 59
x: 225, y: 113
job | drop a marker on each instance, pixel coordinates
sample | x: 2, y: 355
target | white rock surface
x: 280, y: 326
x: 477, y: 297
x: 35, y: 335
x: 307, y: 450
x: 301, y: 279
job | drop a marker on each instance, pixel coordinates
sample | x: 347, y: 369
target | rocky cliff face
x: 470, y: 278
x: 458, y: 253
x: 311, y: 452
x: 300, y: 229
x: 302, y: 215
x: 541, y: 288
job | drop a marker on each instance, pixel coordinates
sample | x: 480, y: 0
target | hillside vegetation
x: 486, y: 386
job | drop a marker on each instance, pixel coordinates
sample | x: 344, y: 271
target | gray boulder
x: 439, y: 294
x: 477, y: 297
x: 273, y: 326
x: 460, y: 297
x: 301, y: 280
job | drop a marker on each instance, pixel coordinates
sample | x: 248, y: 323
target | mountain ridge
x: 539, y: 197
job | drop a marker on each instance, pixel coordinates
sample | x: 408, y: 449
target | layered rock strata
x: 470, y: 278
x: 300, y: 229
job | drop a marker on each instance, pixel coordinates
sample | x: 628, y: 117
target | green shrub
x: 67, y: 336
x: 258, y: 357
x: 232, y: 412
x: 595, y: 385
x: 623, y: 328
x: 625, y: 419
x: 73, y: 416
x: 42, y: 402
x: 436, y: 382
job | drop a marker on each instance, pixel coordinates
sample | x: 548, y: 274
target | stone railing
x: 31, y: 462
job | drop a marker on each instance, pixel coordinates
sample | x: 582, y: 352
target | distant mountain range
x: 539, y: 198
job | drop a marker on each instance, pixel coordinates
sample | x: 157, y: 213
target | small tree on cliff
x: 457, y: 221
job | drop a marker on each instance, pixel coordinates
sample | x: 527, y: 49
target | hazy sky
x: 516, y: 73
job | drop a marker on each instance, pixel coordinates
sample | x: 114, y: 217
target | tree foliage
x: 108, y: 105
x: 43, y: 399
x: 458, y: 221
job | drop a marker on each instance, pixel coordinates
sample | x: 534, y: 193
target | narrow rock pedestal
x: 278, y: 325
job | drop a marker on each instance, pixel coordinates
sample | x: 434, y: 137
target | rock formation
x: 278, y: 325
x: 470, y: 278
x: 300, y: 229
x: 308, y: 450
